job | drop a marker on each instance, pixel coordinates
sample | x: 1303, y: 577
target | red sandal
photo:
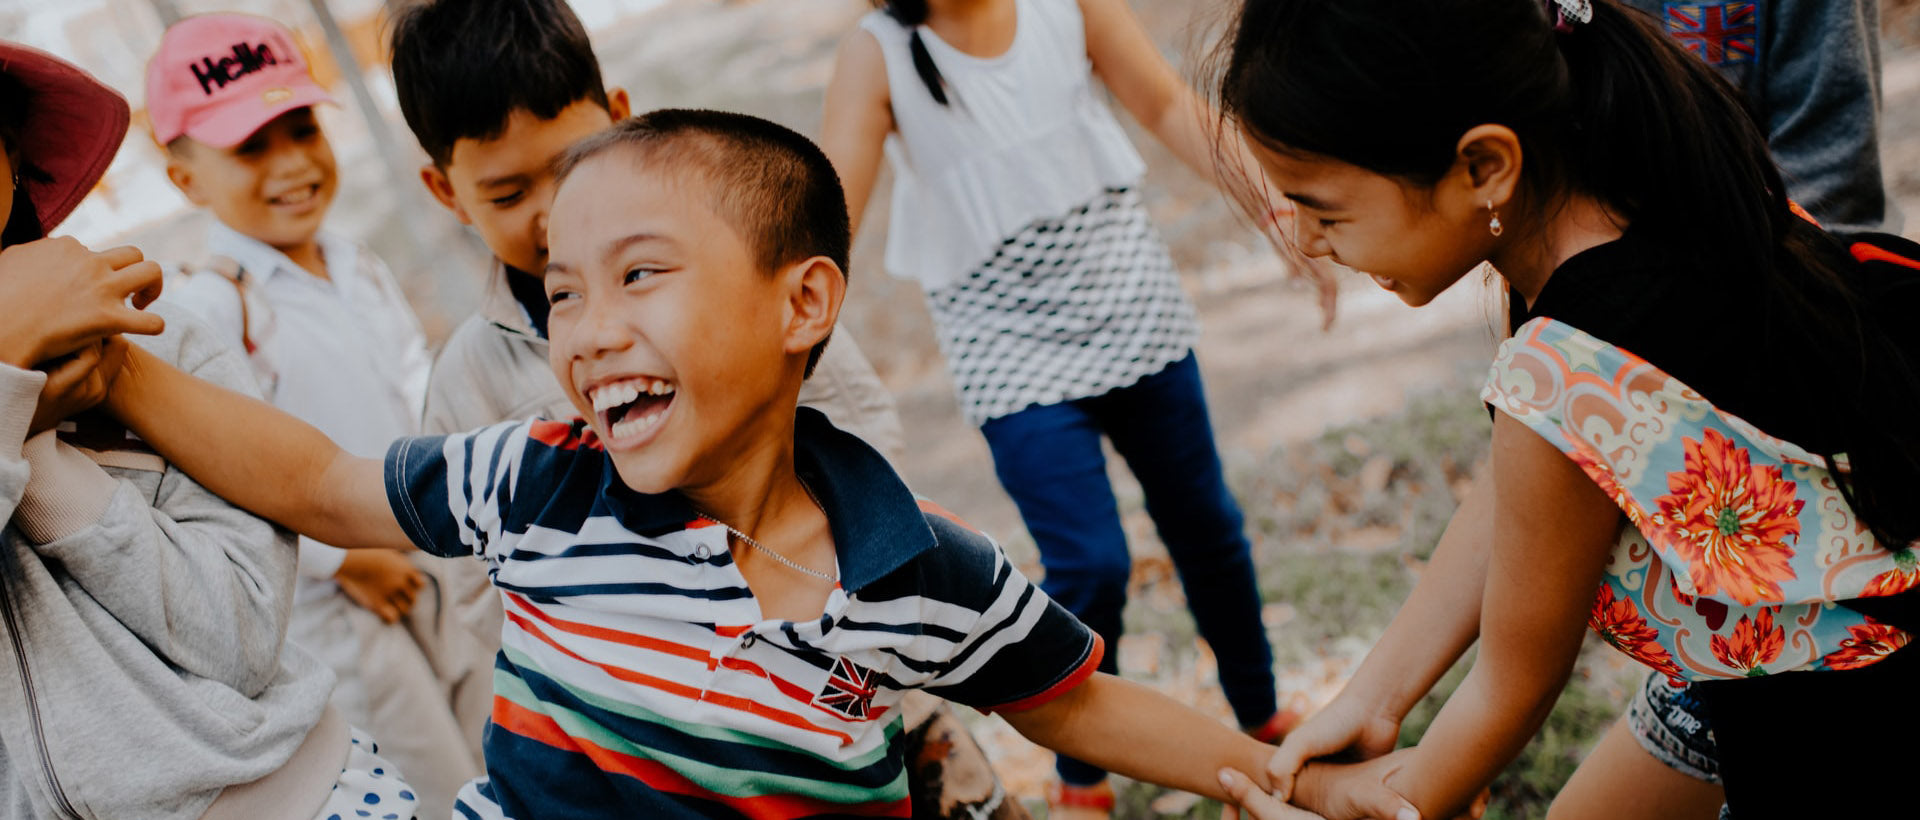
x: 1097, y: 797
x: 1277, y: 727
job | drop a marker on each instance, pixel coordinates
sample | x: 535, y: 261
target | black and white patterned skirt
x: 1066, y: 309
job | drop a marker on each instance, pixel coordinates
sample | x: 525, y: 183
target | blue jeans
x: 1049, y: 460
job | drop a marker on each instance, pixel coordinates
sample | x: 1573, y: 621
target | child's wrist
x: 1309, y: 786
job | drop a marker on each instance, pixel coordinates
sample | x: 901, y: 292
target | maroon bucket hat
x: 74, y: 126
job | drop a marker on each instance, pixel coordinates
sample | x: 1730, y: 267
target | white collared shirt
x: 348, y: 354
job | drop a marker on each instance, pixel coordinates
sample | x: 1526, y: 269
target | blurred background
x: 1348, y: 448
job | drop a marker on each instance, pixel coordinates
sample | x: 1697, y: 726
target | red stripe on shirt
x: 609, y: 635
x: 561, y: 435
x: 734, y: 702
x: 1079, y: 676
x: 665, y: 647
x: 535, y: 726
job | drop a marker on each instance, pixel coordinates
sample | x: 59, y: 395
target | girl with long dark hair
x: 1703, y: 438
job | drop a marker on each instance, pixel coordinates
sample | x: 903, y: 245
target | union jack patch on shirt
x: 1719, y: 33
x: 849, y: 689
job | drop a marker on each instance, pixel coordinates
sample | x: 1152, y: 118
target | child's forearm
x: 1482, y: 728
x: 255, y: 455
x: 1553, y: 531
x: 1439, y: 620
x: 1134, y: 731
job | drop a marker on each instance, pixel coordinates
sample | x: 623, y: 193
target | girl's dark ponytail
x: 1615, y: 110
x: 1690, y: 136
x: 913, y: 13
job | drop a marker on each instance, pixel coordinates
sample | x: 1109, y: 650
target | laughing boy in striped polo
x: 714, y: 602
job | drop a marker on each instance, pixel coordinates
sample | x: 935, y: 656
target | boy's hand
x: 61, y: 296
x: 381, y: 581
x: 1338, y: 792
x: 1354, y: 791
x: 1257, y: 804
x: 76, y: 382
x: 1345, y: 726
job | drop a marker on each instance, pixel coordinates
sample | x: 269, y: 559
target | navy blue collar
x: 877, y: 523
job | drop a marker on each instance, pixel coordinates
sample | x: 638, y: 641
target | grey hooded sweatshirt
x: 142, y: 624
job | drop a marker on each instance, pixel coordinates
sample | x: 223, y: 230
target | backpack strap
x: 1884, y: 248
x: 229, y: 268
x: 256, y: 317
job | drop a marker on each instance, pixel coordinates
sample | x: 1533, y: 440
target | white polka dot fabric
x: 369, y: 788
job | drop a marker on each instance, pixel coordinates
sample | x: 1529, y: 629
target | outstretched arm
x: 1130, y: 729
x: 1553, y: 531
x: 1132, y: 68
x: 1433, y: 628
x: 858, y: 116
x: 256, y: 456
x: 1148, y: 87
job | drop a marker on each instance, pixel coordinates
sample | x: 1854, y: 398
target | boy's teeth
x: 635, y: 426
x: 613, y: 395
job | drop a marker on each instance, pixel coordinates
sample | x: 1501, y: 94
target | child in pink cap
x: 147, y: 673
x: 331, y: 340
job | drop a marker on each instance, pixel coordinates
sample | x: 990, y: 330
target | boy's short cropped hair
x: 771, y: 184
x: 462, y: 67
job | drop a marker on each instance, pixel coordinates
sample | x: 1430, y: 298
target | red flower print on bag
x: 1618, y: 622
x: 1904, y: 576
x: 1601, y: 473
x: 1756, y: 642
x: 1731, y: 522
x: 1866, y: 645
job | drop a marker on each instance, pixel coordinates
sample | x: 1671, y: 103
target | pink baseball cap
x: 218, y: 77
x: 74, y: 126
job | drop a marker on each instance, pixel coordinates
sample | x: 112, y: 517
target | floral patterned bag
x: 1737, y: 545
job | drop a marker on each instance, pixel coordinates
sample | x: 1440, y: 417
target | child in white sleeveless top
x: 1016, y: 206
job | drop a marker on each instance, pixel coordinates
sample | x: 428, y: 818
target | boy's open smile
x: 297, y: 199
x: 629, y: 409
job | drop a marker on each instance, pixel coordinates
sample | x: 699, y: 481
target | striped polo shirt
x: 636, y: 676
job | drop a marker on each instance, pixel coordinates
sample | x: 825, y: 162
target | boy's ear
x: 442, y: 190
x: 1487, y: 165
x: 180, y: 173
x: 814, y: 291
x: 619, y: 106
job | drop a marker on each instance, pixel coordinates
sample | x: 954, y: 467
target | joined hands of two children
x: 1313, y: 780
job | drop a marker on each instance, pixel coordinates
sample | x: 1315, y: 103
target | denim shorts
x: 1672, y: 726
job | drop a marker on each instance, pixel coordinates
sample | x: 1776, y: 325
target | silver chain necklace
x: 784, y: 560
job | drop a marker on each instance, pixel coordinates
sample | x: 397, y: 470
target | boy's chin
x: 646, y: 475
